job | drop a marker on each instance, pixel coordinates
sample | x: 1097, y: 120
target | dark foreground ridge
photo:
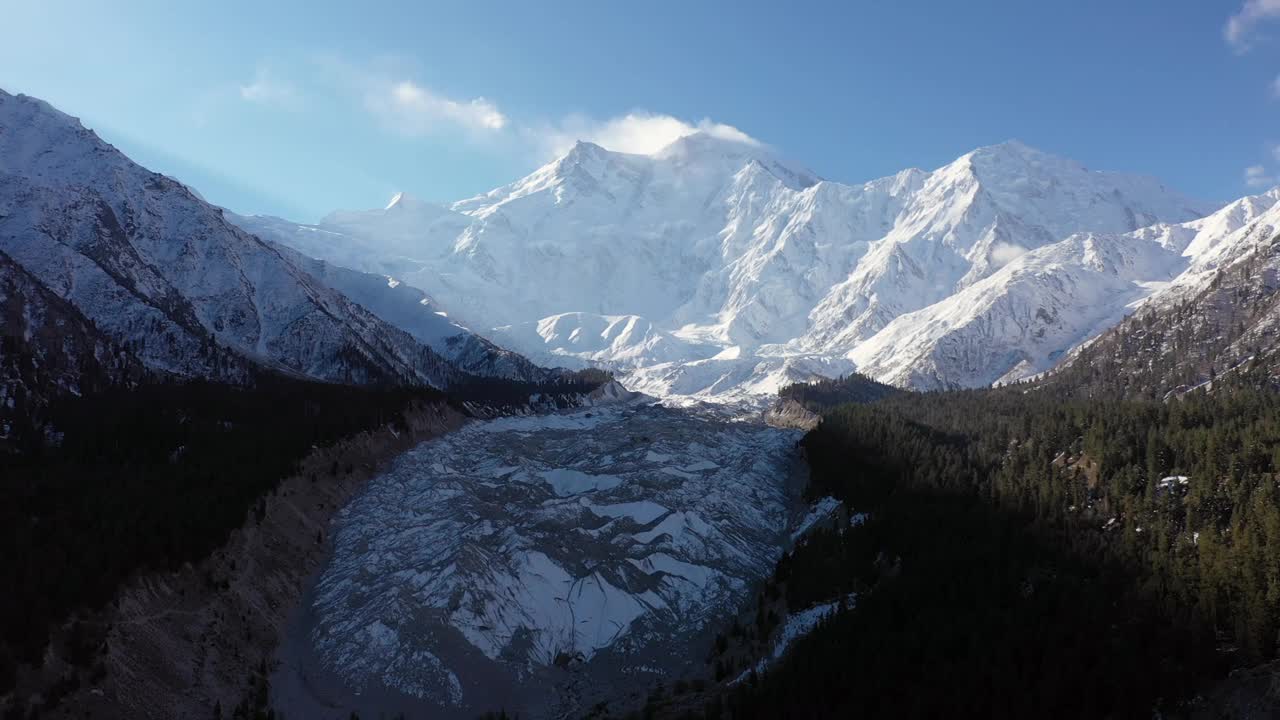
x: 150, y: 479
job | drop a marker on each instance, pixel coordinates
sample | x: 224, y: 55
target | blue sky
x: 297, y: 108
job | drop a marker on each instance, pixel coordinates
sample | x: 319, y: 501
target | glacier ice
x: 609, y: 538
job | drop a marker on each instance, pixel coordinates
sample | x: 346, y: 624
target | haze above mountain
x: 716, y: 269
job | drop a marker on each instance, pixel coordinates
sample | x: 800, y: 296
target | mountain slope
x: 1219, y: 320
x: 971, y: 217
x: 1020, y: 320
x: 412, y: 311
x: 48, y: 348
x: 1023, y: 319
x: 712, y: 268
x: 161, y: 271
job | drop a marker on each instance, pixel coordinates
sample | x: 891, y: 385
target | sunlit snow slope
x: 163, y: 274
x: 713, y: 268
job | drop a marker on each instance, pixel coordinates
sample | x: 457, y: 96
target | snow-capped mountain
x: 412, y: 311
x: 163, y: 273
x: 1021, y: 320
x: 714, y: 268
x: 1219, y: 318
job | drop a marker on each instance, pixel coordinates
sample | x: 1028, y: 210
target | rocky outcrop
x: 791, y: 414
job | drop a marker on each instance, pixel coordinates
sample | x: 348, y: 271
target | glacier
x: 538, y: 562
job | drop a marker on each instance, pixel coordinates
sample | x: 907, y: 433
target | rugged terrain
x: 165, y: 275
x: 715, y: 269
x: 1215, y: 324
x: 541, y: 564
x: 47, y: 349
x: 552, y: 561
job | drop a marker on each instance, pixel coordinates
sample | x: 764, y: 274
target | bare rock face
x: 791, y: 414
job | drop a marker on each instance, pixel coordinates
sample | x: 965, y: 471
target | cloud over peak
x: 390, y: 94
x: 637, y: 132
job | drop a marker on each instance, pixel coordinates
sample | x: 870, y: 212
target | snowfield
x: 520, y: 558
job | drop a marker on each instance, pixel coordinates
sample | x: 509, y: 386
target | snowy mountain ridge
x: 714, y: 269
x: 1020, y: 321
x: 167, y: 276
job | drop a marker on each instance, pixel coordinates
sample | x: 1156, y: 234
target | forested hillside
x: 1031, y: 554
x: 48, y: 348
x: 1226, y: 328
x: 150, y: 478
x: 1101, y: 542
x: 822, y: 394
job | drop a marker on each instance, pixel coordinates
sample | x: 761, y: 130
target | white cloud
x: 1242, y: 26
x: 1003, y: 253
x: 636, y: 132
x: 1256, y: 176
x: 270, y: 90
x: 386, y: 90
x: 413, y: 110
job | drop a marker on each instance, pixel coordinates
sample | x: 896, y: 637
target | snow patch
x: 565, y: 482
x: 797, y: 626
x: 821, y: 510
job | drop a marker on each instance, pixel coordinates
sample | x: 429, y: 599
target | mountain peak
x: 712, y: 249
x: 35, y: 103
x: 400, y: 200
x: 583, y: 151
x: 717, y: 150
x: 703, y: 142
x: 1013, y: 145
x: 581, y: 146
x: 405, y: 212
x: 403, y: 202
x: 1015, y: 151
